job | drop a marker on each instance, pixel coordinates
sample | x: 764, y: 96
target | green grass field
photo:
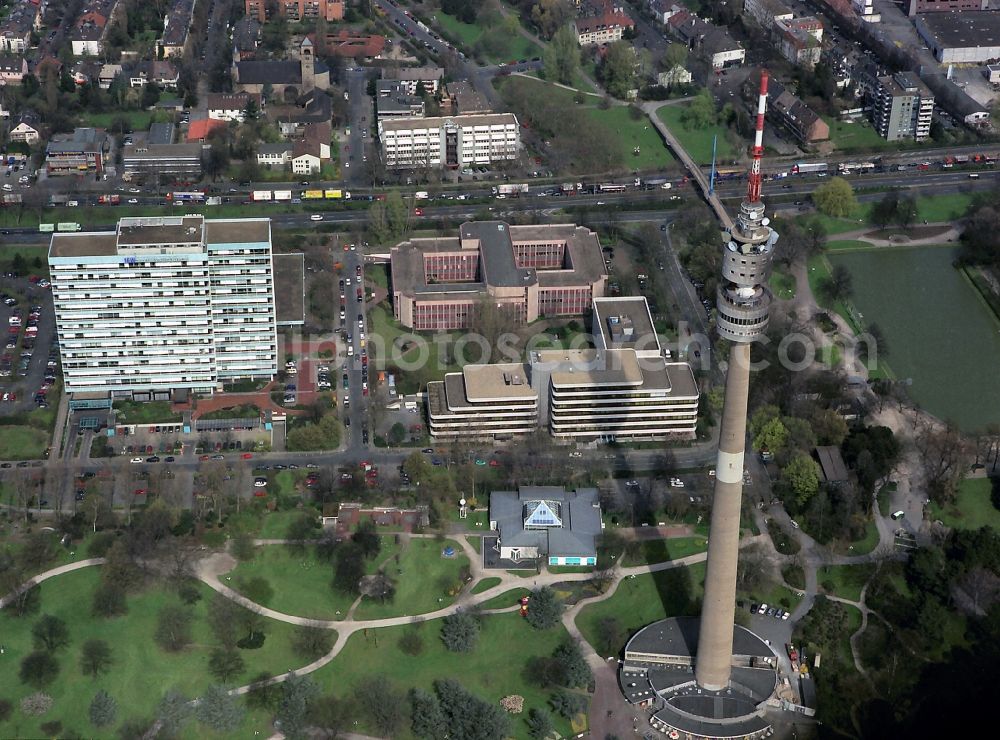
x: 972, y: 508
x: 22, y: 442
x: 515, y: 46
x: 492, y: 671
x: 839, y: 245
x: 782, y: 285
x: 273, y: 525
x: 138, y: 120
x: 150, y: 412
x: 660, y: 551
x: 628, y: 133
x: 141, y: 673
x: 848, y: 580
x: 856, y: 136
x: 301, y: 583
x: 423, y: 577
x: 485, y: 584
x: 646, y: 598
x: 697, y: 142
x: 507, y: 598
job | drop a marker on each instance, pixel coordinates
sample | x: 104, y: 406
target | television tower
x: 742, y: 303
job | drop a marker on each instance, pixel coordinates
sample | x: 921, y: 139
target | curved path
x: 61, y: 570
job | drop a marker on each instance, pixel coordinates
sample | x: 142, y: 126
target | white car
x: 631, y: 483
x: 136, y: 460
x: 676, y: 483
x: 762, y: 609
x: 316, y: 217
x: 260, y: 483
x: 132, y: 201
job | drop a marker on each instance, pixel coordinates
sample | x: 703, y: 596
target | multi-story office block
x: 296, y: 10
x: 903, y: 107
x: 452, y: 142
x: 164, y: 303
x: 483, y: 401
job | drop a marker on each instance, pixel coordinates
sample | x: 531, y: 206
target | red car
x: 418, y: 211
x: 246, y: 456
x: 494, y: 463
x: 140, y: 492
x: 203, y: 457
x: 259, y: 492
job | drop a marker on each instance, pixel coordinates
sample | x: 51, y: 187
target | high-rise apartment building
x: 903, y: 107
x: 164, y: 303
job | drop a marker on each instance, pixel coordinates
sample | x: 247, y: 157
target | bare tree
x: 943, y: 451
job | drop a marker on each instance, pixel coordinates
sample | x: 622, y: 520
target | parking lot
x: 29, y: 363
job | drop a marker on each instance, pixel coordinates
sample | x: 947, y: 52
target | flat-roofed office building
x: 452, y: 141
x: 622, y: 389
x: 164, y: 303
x: 483, y: 402
x: 539, y: 271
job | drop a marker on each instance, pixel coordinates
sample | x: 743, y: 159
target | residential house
x: 86, y: 71
x: 296, y: 10
x: 800, y: 40
x: 91, y: 27
x: 767, y: 12
x: 673, y: 77
x: 164, y: 74
x: 82, y: 151
x: 27, y: 128
x: 232, y: 106
x: 413, y: 77
x: 664, y: 10
x: 107, y: 75
x: 608, y: 26
x: 305, y: 159
x: 799, y: 119
x: 312, y: 107
x: 707, y: 40
x: 4, y: 113
x: 274, y: 156
x: 15, y: 30
x: 12, y: 70
x: 176, y: 29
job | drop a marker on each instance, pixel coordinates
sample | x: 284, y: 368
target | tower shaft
x: 715, y: 639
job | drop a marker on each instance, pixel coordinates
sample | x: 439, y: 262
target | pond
x: 939, y: 333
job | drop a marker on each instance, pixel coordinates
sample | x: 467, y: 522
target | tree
x: 310, y: 643
x: 840, y: 284
x: 550, y: 15
x: 906, y: 211
x: 95, y: 657
x: 258, y: 589
x: 427, y: 719
x: 103, y: 709
x: 225, y: 663
x: 700, y: 112
x: 150, y: 95
x: 772, y: 436
x: 330, y: 714
x: 469, y: 716
x: 884, y: 210
x: 173, y: 628
x: 397, y: 434
x: 296, y: 694
x: 619, y: 68
x: 801, y: 476
x: 349, y: 569
x: 217, y: 160
x: 38, y: 669
x: 412, y: 643
x: 576, y: 671
x: 562, y: 56
x: 544, y: 608
x: 540, y: 723
x: 173, y: 712
x: 382, y: 703
x: 49, y: 633
x: 220, y: 710
x: 6, y: 709
x: 36, y: 704
x: 568, y: 704
x: 460, y: 632
x: 397, y: 214
x: 367, y: 539
x: 610, y: 635
x: 835, y: 198
x: 675, y: 56
x: 242, y: 546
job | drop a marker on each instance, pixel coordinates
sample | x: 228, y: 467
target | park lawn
x: 629, y: 133
x: 947, y: 207
x: 782, y: 285
x: 492, y: 671
x: 697, y: 142
x: 377, y: 275
x: 423, y: 578
x: 301, y: 583
x: 777, y: 595
x: 862, y: 546
x: 476, y: 541
x: 141, y: 673
x: 138, y: 120
x: 485, y: 584
x: 147, y: 412
x: 438, y: 353
x: 506, y: 599
x: 858, y: 135
x: 818, y: 271
x: 642, y: 599
x: 273, y: 525
x: 516, y: 46
x: 848, y: 580
x: 36, y: 258
x: 972, y: 508
x: 658, y: 551
x: 22, y: 443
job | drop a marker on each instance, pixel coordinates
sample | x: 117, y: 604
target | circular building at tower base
x: 658, y: 673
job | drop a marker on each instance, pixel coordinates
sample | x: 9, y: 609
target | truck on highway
x: 312, y: 194
x: 421, y: 195
x: 283, y: 195
x: 260, y: 195
x: 807, y: 168
x: 568, y: 188
x: 46, y: 228
x: 109, y: 200
x: 658, y: 182
x: 10, y: 199
x: 334, y: 194
x: 213, y: 200
x: 68, y: 226
x: 510, y: 189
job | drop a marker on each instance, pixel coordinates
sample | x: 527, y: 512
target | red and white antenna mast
x: 754, y: 182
